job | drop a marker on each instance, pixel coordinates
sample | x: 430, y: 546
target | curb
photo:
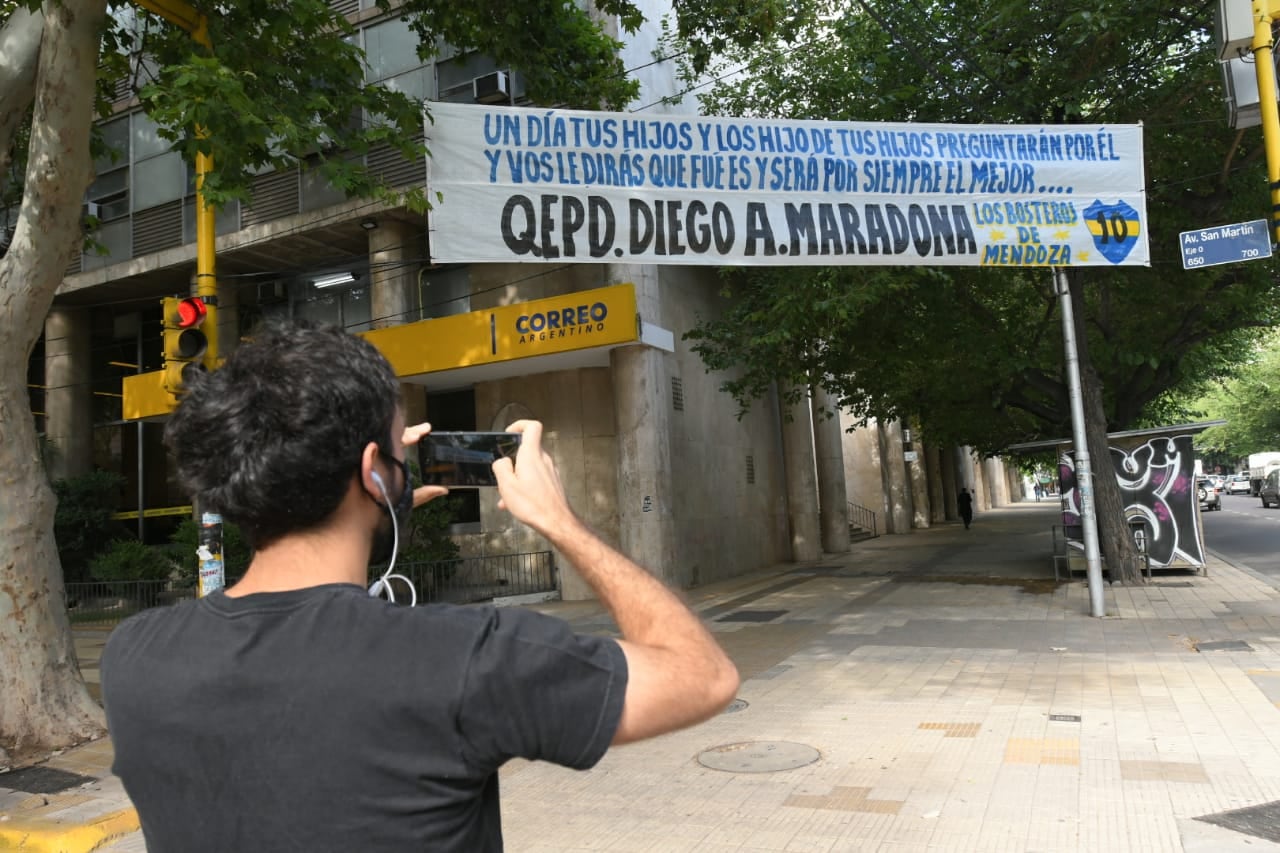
x: 54, y: 836
x: 1247, y: 569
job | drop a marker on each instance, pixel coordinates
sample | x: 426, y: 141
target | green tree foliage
x: 428, y: 536
x: 130, y: 560
x: 83, y: 521
x: 1250, y: 404
x: 977, y: 353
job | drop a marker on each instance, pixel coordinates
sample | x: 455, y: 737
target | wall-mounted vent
x: 677, y: 393
x: 751, y: 470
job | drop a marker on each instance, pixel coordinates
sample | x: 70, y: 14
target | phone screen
x: 464, y: 460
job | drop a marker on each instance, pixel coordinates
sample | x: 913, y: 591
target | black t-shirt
x: 325, y: 720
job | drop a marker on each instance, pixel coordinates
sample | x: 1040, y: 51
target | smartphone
x: 464, y: 460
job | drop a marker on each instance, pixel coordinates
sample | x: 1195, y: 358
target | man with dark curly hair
x: 295, y: 711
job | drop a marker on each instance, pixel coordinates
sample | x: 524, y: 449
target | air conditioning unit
x: 89, y: 208
x: 492, y: 88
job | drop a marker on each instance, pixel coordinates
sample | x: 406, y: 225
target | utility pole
x: 1263, y: 61
x: 211, y: 572
x: 1084, y: 468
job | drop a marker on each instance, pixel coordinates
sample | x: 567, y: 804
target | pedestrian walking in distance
x: 964, y: 502
x: 299, y: 709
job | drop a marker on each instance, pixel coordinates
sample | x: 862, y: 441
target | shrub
x: 130, y: 560
x: 83, y: 519
x: 236, y: 553
x: 428, y: 536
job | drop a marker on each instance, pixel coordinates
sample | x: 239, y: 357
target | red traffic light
x: 191, y: 312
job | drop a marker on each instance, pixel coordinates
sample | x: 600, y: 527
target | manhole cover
x: 753, y: 616
x: 735, y: 706
x: 762, y: 756
x: 1224, y: 646
x: 42, y: 780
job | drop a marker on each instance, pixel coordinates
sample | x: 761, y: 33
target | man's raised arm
x: 677, y: 673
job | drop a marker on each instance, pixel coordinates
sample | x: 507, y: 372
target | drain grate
x: 42, y: 780
x: 1064, y: 718
x: 1261, y: 821
x: 753, y: 615
x: 1224, y: 646
x: 1178, y: 584
x: 735, y: 706
x: 764, y: 756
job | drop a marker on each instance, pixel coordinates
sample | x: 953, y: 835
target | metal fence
x: 860, y: 516
x: 463, y: 581
x: 474, y: 579
x: 108, y: 602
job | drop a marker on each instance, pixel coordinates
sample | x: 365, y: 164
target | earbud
x: 377, y: 480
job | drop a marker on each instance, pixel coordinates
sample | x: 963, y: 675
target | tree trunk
x: 1114, y: 539
x: 44, y: 704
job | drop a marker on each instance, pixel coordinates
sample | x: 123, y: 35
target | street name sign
x: 1225, y: 244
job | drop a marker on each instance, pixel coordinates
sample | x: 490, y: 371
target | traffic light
x: 184, y: 343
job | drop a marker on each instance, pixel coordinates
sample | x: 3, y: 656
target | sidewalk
x: 926, y: 692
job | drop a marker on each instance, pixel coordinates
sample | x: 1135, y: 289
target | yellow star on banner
x: 1084, y: 256
x: 997, y: 235
x: 1063, y: 234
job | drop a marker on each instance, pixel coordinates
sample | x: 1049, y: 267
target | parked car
x: 1209, y: 496
x: 1238, y: 484
x: 1270, y: 490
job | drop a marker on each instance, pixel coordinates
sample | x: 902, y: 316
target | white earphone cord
x: 383, y: 584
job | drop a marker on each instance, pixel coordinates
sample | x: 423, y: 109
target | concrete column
x: 68, y: 398
x: 802, y: 486
x: 917, y: 474
x: 1016, y: 491
x: 828, y: 440
x: 228, y: 318
x: 897, y: 491
x: 933, y: 473
x: 391, y: 279
x: 994, y: 479
x: 392, y: 296
x: 646, y: 526
x: 981, y: 499
x: 950, y: 488
x: 642, y: 410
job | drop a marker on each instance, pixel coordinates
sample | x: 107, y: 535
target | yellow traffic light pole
x: 1263, y: 19
x: 182, y: 14
x: 211, y: 572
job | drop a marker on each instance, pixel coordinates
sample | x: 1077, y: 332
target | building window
x: 109, y: 193
x: 159, y: 175
x: 444, y: 292
x: 345, y: 306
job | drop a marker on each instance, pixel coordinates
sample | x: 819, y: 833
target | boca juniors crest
x: 1116, y: 229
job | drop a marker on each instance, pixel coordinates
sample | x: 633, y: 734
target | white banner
x: 564, y: 186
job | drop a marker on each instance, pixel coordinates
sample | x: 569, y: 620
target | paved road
x: 1244, y: 532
